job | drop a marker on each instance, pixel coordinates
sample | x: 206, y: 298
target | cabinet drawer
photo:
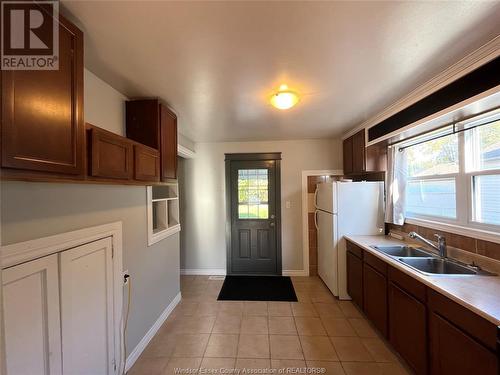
x: 375, y: 262
x: 146, y: 163
x: 111, y: 156
x: 355, y: 249
x: 409, y: 284
x: 471, y: 323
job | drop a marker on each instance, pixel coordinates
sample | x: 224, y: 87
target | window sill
x: 457, y: 229
x: 157, y: 237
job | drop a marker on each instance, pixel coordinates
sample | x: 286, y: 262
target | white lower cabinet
x: 58, y: 313
x: 31, y: 318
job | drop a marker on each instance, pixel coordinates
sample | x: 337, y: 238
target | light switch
x: 288, y: 204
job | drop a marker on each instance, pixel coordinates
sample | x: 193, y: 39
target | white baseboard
x: 295, y: 273
x: 204, y: 271
x: 134, y: 355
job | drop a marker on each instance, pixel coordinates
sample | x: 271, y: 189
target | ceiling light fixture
x: 284, y: 98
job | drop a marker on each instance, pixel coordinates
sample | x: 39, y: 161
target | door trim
x: 276, y: 156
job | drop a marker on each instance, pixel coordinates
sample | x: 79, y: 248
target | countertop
x: 480, y: 294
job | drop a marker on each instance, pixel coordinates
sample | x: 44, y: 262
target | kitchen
x: 251, y: 186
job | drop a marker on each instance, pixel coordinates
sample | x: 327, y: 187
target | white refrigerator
x: 344, y: 208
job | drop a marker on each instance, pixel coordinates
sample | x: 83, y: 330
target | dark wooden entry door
x: 253, y: 199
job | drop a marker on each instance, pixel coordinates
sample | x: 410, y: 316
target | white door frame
x: 305, y: 224
x: 25, y: 251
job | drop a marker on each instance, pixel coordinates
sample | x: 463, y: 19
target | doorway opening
x: 253, y: 214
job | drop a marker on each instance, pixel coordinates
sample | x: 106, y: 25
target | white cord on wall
x: 123, y: 352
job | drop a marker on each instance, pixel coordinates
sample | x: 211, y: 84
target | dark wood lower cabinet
x: 375, y: 297
x: 408, y: 328
x: 355, y: 278
x: 453, y: 352
x: 434, y: 334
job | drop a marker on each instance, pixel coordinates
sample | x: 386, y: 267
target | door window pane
x: 253, y: 194
x: 434, y: 197
x: 487, y: 199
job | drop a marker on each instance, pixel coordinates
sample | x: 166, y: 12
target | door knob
x: 271, y: 224
x: 272, y: 216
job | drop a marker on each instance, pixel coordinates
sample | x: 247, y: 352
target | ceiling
x: 217, y: 63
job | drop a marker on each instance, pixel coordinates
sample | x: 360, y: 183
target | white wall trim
x: 295, y: 272
x: 28, y: 250
x: 185, y: 152
x: 134, y: 354
x: 481, y: 56
x: 204, y: 271
x: 305, y: 225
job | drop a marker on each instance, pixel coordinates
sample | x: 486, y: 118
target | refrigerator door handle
x: 316, y: 220
x: 316, y: 198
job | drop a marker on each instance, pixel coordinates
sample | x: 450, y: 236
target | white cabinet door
x: 31, y: 318
x: 87, y: 309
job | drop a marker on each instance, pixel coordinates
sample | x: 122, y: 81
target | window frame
x: 464, y: 194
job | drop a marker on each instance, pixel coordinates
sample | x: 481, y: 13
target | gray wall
x: 204, y: 242
x: 33, y: 210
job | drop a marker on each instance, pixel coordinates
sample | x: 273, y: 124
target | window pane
x: 487, y: 199
x: 483, y: 145
x: 431, y: 198
x: 253, y: 194
x: 439, y: 156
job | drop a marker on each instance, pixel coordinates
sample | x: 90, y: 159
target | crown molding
x: 479, y: 57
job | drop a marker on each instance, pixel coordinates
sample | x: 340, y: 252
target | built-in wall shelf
x: 163, y: 212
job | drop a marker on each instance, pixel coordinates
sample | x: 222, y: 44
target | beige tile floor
x: 203, y: 335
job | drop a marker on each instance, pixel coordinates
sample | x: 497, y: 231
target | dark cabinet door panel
x: 408, y: 328
x: 453, y: 352
x: 168, y: 150
x: 146, y: 164
x: 347, y: 153
x: 355, y: 279
x: 111, y: 156
x: 42, y: 112
x: 358, y: 152
x: 375, y: 297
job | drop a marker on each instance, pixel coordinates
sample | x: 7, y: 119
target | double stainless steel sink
x: 425, y: 262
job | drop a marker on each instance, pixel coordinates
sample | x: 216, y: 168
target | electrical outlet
x: 288, y: 204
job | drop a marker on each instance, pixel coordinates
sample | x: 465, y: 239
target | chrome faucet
x: 441, y: 247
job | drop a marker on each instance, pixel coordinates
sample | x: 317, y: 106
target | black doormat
x: 257, y: 288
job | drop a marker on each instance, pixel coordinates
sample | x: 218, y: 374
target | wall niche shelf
x: 163, y: 212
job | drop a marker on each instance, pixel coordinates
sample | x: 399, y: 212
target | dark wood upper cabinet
x: 110, y: 156
x: 359, y: 159
x: 347, y: 152
x: 146, y: 163
x: 151, y: 123
x: 358, y: 152
x: 42, y: 113
x: 168, y: 141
